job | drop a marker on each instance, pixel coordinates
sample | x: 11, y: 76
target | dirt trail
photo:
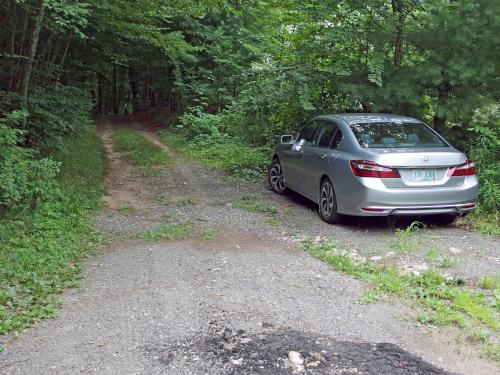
x: 122, y: 187
x: 235, y: 302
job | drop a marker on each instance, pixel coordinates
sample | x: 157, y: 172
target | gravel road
x: 239, y: 300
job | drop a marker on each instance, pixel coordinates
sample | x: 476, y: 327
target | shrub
x: 55, y: 113
x: 24, y: 179
x: 485, y: 151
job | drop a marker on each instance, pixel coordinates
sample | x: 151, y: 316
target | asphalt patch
x: 227, y: 351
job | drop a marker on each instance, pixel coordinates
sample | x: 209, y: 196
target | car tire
x: 275, y: 178
x: 328, y: 203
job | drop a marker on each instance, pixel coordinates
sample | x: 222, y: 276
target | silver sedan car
x: 374, y: 165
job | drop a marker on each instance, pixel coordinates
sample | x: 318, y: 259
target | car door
x: 292, y: 163
x: 317, y: 156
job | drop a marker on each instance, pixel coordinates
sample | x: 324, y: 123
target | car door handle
x: 322, y: 156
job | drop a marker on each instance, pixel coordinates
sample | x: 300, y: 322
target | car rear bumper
x: 372, y: 198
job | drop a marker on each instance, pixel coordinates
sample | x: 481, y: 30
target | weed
x: 167, y: 231
x: 447, y: 263
x: 161, y: 199
x: 485, y: 222
x: 189, y: 201
x: 369, y: 296
x: 126, y: 208
x: 490, y: 282
x: 492, y: 351
x: 405, y: 241
x: 480, y: 336
x: 432, y: 254
x: 272, y: 221
x: 251, y: 203
x: 139, y: 150
x: 210, y: 234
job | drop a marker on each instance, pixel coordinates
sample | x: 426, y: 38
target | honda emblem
x: 426, y: 159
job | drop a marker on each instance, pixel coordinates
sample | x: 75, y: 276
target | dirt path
x: 234, y: 302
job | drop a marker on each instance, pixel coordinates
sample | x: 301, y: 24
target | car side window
x: 325, y: 134
x: 336, y: 139
x: 307, y: 132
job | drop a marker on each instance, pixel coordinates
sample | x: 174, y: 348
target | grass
x: 490, y: 282
x: 161, y: 199
x: 447, y: 263
x: 42, y: 253
x: 444, y: 302
x: 240, y: 160
x: 189, y: 201
x: 405, y: 240
x: 251, y: 203
x: 210, y: 234
x: 168, y: 231
x: 485, y: 222
x: 139, y: 150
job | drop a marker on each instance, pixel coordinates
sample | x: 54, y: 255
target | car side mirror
x: 287, y: 139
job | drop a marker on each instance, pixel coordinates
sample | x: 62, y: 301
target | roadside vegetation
x: 442, y: 301
x: 43, y: 244
x: 241, y: 161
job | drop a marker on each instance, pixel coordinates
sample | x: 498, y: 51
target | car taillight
x: 466, y: 169
x: 365, y: 168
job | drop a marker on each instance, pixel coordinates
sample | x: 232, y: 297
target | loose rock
x: 295, y: 358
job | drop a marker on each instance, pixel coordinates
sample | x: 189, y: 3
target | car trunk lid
x: 421, y: 167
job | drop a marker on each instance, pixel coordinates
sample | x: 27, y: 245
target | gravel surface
x: 237, y: 303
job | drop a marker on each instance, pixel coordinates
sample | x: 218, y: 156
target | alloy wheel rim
x: 327, y: 200
x: 276, y: 178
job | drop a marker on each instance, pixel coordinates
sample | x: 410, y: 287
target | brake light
x: 466, y: 169
x: 365, y: 168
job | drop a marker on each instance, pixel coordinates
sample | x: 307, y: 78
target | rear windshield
x: 392, y: 134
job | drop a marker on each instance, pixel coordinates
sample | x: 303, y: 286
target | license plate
x: 424, y: 175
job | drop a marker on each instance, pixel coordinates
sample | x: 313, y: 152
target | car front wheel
x: 276, y: 178
x: 328, y: 203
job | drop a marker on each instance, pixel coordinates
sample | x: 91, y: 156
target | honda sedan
x: 374, y: 165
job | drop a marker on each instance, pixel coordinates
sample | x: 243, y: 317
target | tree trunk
x: 133, y: 89
x: 27, y: 65
x: 439, y: 120
x: 397, y: 8
x: 22, y: 42
x: 65, y: 53
x: 99, y: 93
x: 10, y: 85
x: 115, y: 90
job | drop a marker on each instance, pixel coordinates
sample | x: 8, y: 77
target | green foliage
x: 167, y: 231
x: 24, y: 180
x: 138, y: 149
x: 210, y: 234
x: 230, y: 154
x: 251, y: 203
x: 189, y: 201
x: 56, y: 113
x: 485, y: 151
x: 42, y: 249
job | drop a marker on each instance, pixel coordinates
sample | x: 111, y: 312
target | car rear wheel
x: 328, y: 203
x: 276, y: 178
